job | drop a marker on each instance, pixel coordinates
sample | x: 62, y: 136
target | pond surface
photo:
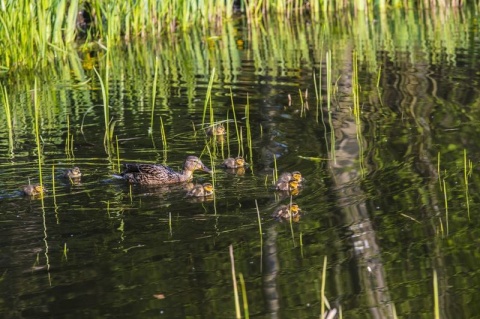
x: 383, y: 129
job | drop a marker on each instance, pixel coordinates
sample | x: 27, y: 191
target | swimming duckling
x: 155, y: 174
x: 287, y: 185
x: 201, y: 190
x: 216, y: 129
x: 33, y: 189
x: 236, y: 162
x: 285, y: 211
x: 287, y: 176
x: 72, y: 173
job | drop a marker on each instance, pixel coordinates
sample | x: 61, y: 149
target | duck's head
x: 208, y: 188
x: 296, y: 175
x: 193, y: 163
x: 239, y: 161
x: 75, y: 172
x: 293, y: 184
x: 294, y: 208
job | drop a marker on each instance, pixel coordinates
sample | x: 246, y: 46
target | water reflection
x: 375, y: 180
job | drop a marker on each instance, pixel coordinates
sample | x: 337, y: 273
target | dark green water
x: 373, y: 202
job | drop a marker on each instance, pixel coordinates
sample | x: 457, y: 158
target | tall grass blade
x: 235, y: 288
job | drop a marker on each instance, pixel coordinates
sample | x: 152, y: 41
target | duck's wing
x: 146, y: 168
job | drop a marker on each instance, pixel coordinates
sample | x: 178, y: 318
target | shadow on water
x: 384, y: 198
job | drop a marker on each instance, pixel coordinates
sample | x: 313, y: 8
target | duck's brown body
x: 158, y: 174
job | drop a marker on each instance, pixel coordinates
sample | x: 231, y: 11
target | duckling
x: 287, y: 185
x: 285, y: 211
x: 33, y: 189
x: 287, y: 176
x: 201, y: 190
x: 155, y: 174
x: 216, y: 129
x: 236, y: 162
x: 72, y: 173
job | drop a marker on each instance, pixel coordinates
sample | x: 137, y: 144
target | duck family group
x: 158, y: 174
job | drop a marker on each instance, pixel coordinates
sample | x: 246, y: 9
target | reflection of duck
x: 205, y: 189
x: 287, y: 176
x: 236, y: 162
x: 154, y: 174
x: 287, y: 185
x: 285, y: 211
x: 33, y: 189
x: 216, y: 129
x: 73, y: 173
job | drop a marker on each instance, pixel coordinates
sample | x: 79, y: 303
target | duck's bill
x: 206, y: 169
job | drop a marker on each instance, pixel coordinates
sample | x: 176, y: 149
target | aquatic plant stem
x: 154, y: 93
x: 234, y: 280
x: 465, y: 177
x: 436, y: 303
x: 322, y: 289
x: 106, y: 112
x: 208, y: 96
x: 244, y: 296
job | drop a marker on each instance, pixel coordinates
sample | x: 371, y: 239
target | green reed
x: 208, y: 100
x: 249, y: 131
x: 36, y: 105
x: 244, y: 296
x: 445, y: 196
x: 329, y: 104
x: 237, y: 131
x: 234, y: 280
x: 106, y: 111
x: 467, y: 169
x: 117, y: 151
x: 154, y: 94
x: 164, y: 139
x: 322, y: 289
x: 65, y: 251
x: 8, y: 115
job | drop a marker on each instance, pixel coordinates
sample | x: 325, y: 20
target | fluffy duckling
x: 287, y: 211
x: 216, y: 129
x: 287, y: 185
x: 158, y: 174
x: 33, y: 189
x: 236, y: 162
x: 205, y: 189
x: 72, y: 173
x: 295, y: 175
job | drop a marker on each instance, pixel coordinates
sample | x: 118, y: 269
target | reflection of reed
x: 272, y: 266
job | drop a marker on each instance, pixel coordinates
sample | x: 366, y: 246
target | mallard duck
x: 236, y: 162
x: 33, y: 189
x: 216, y: 129
x: 287, y: 185
x: 73, y: 173
x: 201, y: 190
x: 285, y: 211
x: 287, y: 176
x: 155, y: 174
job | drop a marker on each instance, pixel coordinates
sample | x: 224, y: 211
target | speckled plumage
x: 287, y: 185
x: 285, y: 211
x: 201, y: 190
x: 156, y: 174
x: 216, y: 129
x: 33, y: 189
x: 236, y: 162
x: 287, y: 176
x: 73, y: 173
